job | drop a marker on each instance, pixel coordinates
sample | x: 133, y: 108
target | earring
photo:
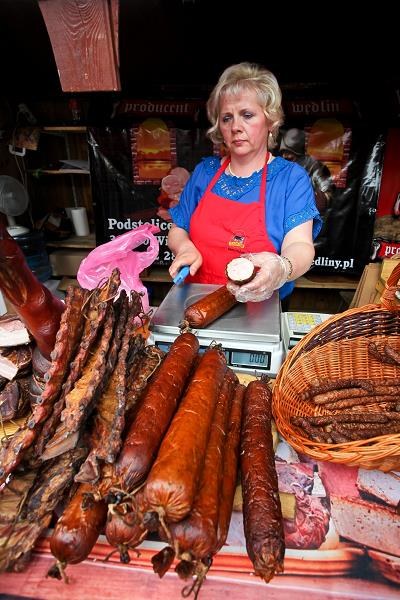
x: 271, y: 142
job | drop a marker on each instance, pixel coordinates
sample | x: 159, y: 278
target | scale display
x: 258, y: 360
x: 235, y: 358
x: 247, y: 360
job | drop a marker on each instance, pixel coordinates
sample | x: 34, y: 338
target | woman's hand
x: 297, y: 254
x: 187, y: 256
x: 272, y: 273
x: 185, y: 251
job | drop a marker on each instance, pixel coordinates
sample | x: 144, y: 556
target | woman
x: 248, y: 203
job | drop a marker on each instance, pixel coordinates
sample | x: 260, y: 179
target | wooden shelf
x: 161, y: 275
x: 60, y: 171
x: 156, y: 275
x: 77, y: 241
x: 65, y: 129
x: 328, y: 282
x: 60, y: 177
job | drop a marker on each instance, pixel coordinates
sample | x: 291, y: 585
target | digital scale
x: 250, y: 333
x: 295, y: 325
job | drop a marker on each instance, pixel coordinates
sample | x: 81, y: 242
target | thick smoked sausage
x: 156, y: 410
x: 78, y: 528
x: 209, y: 308
x: 197, y: 534
x: 172, y: 482
x: 124, y: 529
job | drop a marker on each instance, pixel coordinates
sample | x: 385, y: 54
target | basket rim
x: 298, y: 348
x: 388, y: 304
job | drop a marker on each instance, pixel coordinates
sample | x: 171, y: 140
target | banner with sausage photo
x: 142, y: 159
x: 344, y: 158
x: 140, y: 163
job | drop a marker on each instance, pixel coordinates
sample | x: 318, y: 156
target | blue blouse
x: 289, y: 198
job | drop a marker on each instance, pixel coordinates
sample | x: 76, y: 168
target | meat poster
x: 345, y: 525
x: 350, y: 154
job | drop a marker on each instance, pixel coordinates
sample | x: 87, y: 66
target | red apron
x: 222, y: 229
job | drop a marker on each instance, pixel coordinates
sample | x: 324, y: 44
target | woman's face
x: 243, y: 124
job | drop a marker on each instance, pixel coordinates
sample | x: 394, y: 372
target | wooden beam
x: 84, y: 38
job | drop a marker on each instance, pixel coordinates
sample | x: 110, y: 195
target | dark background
x: 183, y: 45
x: 176, y: 49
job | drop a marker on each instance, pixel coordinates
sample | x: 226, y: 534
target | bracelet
x: 289, y: 262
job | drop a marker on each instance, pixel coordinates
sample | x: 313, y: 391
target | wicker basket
x: 336, y: 349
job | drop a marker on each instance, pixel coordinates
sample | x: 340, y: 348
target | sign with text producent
x: 140, y: 108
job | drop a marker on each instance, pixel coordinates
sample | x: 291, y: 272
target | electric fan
x: 14, y: 201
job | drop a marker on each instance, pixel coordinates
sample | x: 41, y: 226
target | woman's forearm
x: 300, y: 256
x: 178, y: 238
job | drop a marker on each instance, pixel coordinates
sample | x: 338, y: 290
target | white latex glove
x: 272, y: 274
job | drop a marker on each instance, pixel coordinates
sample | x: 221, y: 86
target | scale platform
x: 250, y: 333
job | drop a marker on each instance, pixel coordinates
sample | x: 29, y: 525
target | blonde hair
x: 243, y: 77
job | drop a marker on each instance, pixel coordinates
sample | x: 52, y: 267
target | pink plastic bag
x: 99, y: 263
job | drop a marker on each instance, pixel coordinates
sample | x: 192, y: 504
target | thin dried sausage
x: 262, y: 515
x: 230, y: 462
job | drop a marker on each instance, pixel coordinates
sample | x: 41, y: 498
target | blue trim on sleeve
x: 308, y: 213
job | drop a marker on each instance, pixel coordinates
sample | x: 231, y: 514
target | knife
x: 181, y: 275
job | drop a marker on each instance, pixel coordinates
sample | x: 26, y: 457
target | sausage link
x: 392, y: 353
x: 156, y: 410
x: 231, y: 463
x: 263, y: 525
x: 197, y: 533
x: 34, y: 303
x: 209, y: 308
x: 173, y: 480
x: 78, y: 528
x: 124, y: 528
